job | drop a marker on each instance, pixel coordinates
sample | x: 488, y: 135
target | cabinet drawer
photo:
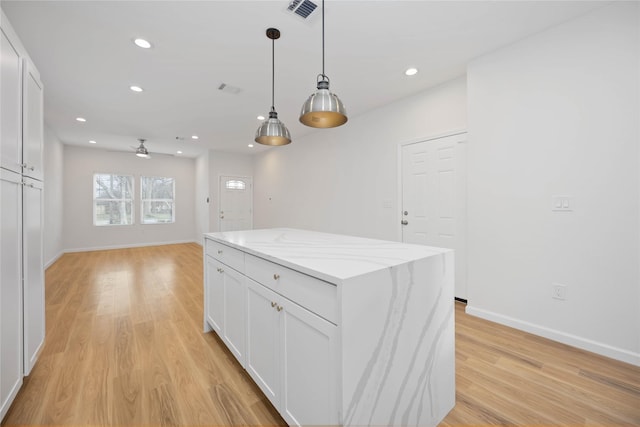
x: 313, y: 294
x: 225, y: 254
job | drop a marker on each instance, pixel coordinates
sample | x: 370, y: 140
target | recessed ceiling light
x: 250, y: 145
x: 260, y: 117
x: 92, y: 142
x: 136, y: 88
x: 142, y: 43
x: 81, y: 119
x: 194, y: 136
x: 178, y: 152
x: 411, y: 71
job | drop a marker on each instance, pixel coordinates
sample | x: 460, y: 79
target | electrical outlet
x: 559, y: 291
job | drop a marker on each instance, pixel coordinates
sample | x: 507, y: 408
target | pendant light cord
x: 323, y: 74
x: 273, y: 74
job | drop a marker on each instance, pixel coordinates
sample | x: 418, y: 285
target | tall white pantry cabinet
x: 22, y: 316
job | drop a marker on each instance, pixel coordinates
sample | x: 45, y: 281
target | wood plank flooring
x: 125, y: 348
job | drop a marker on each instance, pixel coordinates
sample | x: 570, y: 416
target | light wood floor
x: 125, y: 348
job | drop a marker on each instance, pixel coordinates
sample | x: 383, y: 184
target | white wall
x: 79, y: 232
x: 53, y: 196
x: 224, y: 164
x: 345, y: 180
x: 202, y: 196
x: 558, y: 114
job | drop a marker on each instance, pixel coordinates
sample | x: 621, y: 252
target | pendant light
x: 272, y: 131
x: 141, y: 151
x: 323, y: 109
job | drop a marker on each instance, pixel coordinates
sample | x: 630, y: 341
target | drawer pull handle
x: 219, y: 251
x: 273, y: 304
x: 276, y: 276
x: 220, y: 270
x: 279, y: 308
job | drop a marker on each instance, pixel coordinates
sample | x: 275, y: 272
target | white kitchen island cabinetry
x: 338, y: 330
x: 227, y: 304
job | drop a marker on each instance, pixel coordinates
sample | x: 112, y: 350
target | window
x: 112, y: 199
x: 233, y: 184
x: 158, y: 205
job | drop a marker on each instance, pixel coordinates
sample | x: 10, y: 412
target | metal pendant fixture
x: 323, y: 109
x: 272, y: 131
x: 141, y: 151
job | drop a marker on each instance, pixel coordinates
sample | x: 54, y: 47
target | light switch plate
x: 562, y: 203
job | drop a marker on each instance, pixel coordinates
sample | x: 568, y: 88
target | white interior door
x: 236, y: 203
x: 434, y: 210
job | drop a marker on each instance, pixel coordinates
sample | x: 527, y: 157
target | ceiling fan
x: 142, y: 151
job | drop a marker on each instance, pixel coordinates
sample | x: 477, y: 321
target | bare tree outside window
x: 112, y: 199
x: 158, y: 206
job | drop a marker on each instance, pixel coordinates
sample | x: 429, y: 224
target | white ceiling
x: 87, y: 61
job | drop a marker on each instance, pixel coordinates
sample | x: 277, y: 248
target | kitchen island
x: 336, y: 330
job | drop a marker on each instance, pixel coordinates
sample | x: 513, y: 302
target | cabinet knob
x: 23, y: 165
x: 32, y: 168
x: 219, y: 251
x: 220, y: 270
x: 279, y: 308
x: 404, y: 222
x: 273, y: 304
x: 276, y: 276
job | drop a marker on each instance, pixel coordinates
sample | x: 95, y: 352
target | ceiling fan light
x: 273, y: 132
x: 142, y: 151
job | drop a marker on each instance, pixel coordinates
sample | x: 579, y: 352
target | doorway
x: 434, y: 198
x: 236, y: 203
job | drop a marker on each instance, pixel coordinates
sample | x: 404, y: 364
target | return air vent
x: 302, y: 8
x: 223, y: 87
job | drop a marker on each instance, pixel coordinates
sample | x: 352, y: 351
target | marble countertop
x: 331, y: 257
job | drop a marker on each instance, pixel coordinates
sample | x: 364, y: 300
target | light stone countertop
x: 330, y: 257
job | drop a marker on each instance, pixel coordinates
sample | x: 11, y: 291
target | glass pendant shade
x: 272, y: 131
x: 323, y: 109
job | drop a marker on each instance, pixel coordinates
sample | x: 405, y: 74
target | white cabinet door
x: 215, y: 295
x: 263, y: 340
x: 235, y: 301
x: 10, y: 119
x: 32, y: 131
x: 10, y: 288
x: 309, y: 367
x: 291, y: 355
x: 33, y: 272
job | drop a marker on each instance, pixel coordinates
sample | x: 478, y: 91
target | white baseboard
x: 53, y: 260
x: 133, y: 245
x: 559, y: 336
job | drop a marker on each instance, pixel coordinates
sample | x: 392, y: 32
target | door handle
x: 404, y: 222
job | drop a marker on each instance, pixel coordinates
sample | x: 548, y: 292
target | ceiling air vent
x: 223, y: 87
x: 302, y: 8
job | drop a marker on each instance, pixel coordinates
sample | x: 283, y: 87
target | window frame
x: 143, y: 200
x: 130, y: 200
